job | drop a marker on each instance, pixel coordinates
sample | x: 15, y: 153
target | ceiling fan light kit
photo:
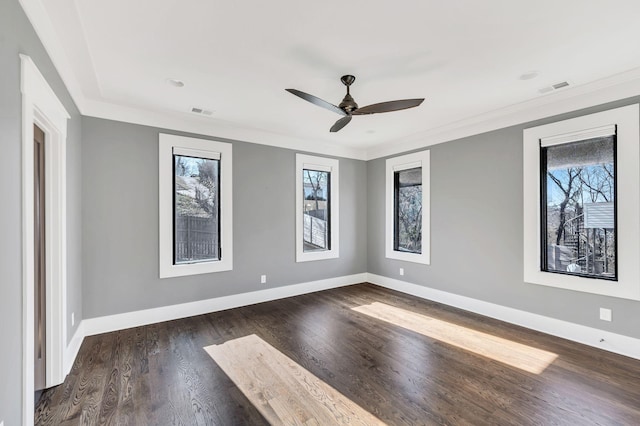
x: 348, y: 107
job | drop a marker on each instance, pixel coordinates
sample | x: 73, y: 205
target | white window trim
x: 41, y: 106
x: 206, y: 149
x: 627, y: 120
x: 404, y: 162
x: 328, y: 165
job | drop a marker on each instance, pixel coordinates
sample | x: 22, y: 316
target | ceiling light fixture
x: 175, y: 82
x: 529, y: 75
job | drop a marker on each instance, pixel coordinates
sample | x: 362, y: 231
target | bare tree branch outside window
x: 408, y: 210
x: 579, y: 208
x: 316, y: 220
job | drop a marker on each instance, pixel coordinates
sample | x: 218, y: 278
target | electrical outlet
x: 605, y: 314
x: 73, y: 322
x: 401, y: 271
x: 263, y: 279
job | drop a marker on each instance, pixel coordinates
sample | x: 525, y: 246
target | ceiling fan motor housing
x: 348, y: 104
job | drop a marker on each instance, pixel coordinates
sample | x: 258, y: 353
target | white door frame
x: 40, y: 106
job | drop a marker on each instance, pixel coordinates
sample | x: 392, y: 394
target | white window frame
x: 200, y: 148
x: 395, y: 164
x: 328, y: 165
x: 627, y: 121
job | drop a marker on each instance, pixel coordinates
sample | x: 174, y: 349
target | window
x: 195, y: 206
x: 579, y: 207
x: 581, y: 204
x: 316, y: 208
x: 315, y: 205
x: 196, y: 203
x: 407, y: 204
x: 407, y: 208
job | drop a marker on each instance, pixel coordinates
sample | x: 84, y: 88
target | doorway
x: 39, y: 260
x: 44, y: 243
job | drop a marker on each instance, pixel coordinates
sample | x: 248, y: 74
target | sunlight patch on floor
x: 283, y: 391
x: 515, y: 354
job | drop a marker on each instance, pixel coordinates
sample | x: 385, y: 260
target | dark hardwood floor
x: 161, y: 375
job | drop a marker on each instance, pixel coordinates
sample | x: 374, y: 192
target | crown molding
x: 184, y: 122
x: 37, y: 15
x: 616, y: 87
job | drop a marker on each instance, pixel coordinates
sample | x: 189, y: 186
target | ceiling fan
x: 348, y: 107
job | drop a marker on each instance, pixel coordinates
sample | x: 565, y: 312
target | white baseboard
x: 109, y: 323
x: 612, y: 342
x: 72, y: 348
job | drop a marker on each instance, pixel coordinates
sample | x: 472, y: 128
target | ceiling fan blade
x: 340, y: 123
x: 316, y: 101
x: 388, y: 106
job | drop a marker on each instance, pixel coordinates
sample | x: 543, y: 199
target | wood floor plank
x: 392, y: 363
x: 515, y: 354
x: 337, y: 364
x: 286, y: 392
x: 364, y: 350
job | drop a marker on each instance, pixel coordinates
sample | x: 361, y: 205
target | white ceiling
x: 237, y: 57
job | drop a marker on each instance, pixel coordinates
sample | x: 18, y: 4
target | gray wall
x: 17, y: 36
x: 112, y: 236
x: 477, y: 227
x: 120, y: 223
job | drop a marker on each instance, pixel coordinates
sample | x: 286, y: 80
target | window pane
x: 316, y: 200
x: 579, y: 208
x: 408, y: 210
x: 196, y: 209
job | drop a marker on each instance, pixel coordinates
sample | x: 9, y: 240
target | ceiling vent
x: 553, y: 87
x: 201, y: 111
